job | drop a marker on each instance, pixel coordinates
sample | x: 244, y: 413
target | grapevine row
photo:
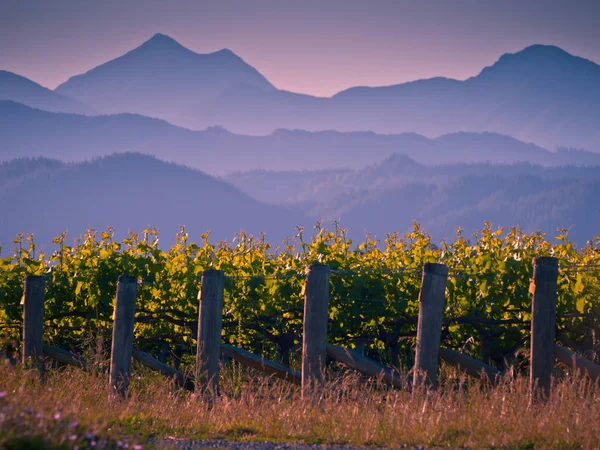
x: 374, y: 289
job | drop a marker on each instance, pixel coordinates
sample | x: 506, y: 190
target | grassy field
x: 71, y: 408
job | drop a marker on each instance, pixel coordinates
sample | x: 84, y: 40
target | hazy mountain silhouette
x: 313, y: 187
x: 161, y: 78
x: 540, y: 94
x: 128, y: 191
x: 132, y: 191
x: 390, y: 195
x: 526, y: 201
x: 22, y: 90
x: 30, y: 132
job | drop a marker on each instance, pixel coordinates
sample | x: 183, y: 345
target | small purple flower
x: 3, y: 394
x: 73, y: 437
x: 56, y: 415
x: 74, y: 424
x: 137, y: 447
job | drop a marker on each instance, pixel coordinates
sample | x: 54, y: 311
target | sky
x: 317, y: 47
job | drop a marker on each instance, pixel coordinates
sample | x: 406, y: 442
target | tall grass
x: 71, y: 407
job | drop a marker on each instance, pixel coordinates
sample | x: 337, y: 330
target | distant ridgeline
x: 540, y: 94
x: 133, y: 191
x: 25, y: 131
x: 446, y: 153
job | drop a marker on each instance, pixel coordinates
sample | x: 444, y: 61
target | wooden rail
x: 168, y: 371
x: 361, y: 363
x: 470, y: 366
x: 572, y: 359
x: 262, y: 364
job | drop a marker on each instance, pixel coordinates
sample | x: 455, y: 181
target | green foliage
x: 374, y: 289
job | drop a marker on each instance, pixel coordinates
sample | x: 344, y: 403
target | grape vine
x: 374, y: 288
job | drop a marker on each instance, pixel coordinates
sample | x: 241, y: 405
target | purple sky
x: 312, y: 46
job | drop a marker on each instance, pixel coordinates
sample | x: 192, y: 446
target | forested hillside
x: 127, y: 192
x: 132, y: 191
x: 391, y: 194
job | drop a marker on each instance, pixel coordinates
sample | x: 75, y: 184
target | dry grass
x: 350, y: 410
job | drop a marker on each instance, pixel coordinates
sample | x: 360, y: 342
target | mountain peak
x: 162, y: 41
x: 542, y: 50
x: 161, y: 37
x: 162, y: 78
x: 538, y: 54
x: 225, y: 53
x: 538, y: 62
x: 19, y: 89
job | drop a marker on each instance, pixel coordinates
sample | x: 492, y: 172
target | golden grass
x: 350, y: 410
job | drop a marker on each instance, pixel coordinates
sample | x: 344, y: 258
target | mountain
x: 22, y: 90
x: 524, y: 201
x: 389, y: 195
x: 133, y: 191
x: 128, y: 192
x: 397, y: 171
x: 161, y: 78
x: 541, y: 94
x: 26, y: 131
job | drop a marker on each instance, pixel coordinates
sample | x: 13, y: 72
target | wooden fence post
x: 429, y: 330
x: 210, y: 318
x: 314, y: 336
x: 122, y: 337
x: 33, y: 321
x: 543, y: 322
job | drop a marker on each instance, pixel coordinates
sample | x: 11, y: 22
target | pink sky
x: 315, y: 47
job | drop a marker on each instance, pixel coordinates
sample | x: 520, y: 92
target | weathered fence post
x: 33, y: 321
x: 543, y: 322
x: 429, y: 330
x: 122, y: 337
x: 210, y: 317
x: 314, y: 336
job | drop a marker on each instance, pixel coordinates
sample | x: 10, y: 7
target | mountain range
x: 161, y: 78
x: 142, y: 139
x: 329, y: 187
x: 133, y: 191
x: 22, y: 90
x: 391, y: 194
x: 128, y: 192
x: 25, y: 131
x: 541, y: 94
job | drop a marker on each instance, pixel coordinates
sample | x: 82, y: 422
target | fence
x: 315, y: 348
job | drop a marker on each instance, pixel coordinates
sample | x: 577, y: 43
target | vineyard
x: 373, y: 303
